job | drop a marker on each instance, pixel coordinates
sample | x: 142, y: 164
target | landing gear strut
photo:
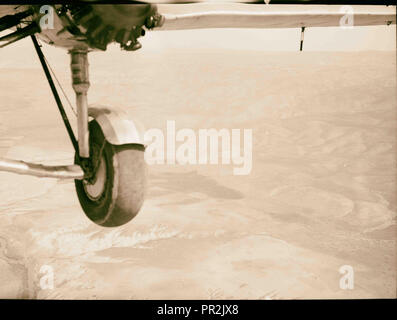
x: 81, y: 84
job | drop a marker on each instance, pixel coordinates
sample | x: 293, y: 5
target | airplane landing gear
x: 109, y: 150
x: 113, y: 189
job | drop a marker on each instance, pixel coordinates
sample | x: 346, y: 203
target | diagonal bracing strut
x: 56, y: 96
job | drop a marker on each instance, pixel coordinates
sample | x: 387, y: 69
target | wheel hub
x: 95, y: 187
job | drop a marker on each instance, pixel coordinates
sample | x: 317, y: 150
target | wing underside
x: 96, y: 26
x: 229, y: 19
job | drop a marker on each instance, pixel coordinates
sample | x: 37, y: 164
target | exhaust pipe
x: 42, y: 171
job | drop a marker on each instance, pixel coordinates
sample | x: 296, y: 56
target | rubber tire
x: 125, y: 186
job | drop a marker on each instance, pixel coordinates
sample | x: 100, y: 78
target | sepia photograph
x: 198, y: 150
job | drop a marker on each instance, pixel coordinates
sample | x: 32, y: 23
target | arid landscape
x: 321, y: 193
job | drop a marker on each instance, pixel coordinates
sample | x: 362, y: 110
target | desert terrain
x: 321, y: 193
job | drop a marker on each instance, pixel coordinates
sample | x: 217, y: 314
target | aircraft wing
x: 296, y: 14
x: 97, y: 25
x: 247, y: 19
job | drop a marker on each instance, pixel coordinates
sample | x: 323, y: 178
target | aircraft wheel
x: 115, y: 192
